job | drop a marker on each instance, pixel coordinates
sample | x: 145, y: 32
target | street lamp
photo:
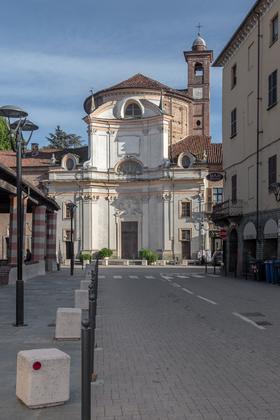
x: 72, y: 207
x: 18, y: 143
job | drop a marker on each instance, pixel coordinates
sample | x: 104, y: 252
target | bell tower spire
x: 199, y: 60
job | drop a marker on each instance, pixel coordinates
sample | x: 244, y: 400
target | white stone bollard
x: 43, y: 377
x: 126, y: 262
x: 68, y: 324
x: 84, y: 284
x: 81, y: 299
x: 144, y: 262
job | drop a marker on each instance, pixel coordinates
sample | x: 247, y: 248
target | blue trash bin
x: 269, y: 271
x: 276, y: 271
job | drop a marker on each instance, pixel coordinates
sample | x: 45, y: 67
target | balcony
x: 227, y: 210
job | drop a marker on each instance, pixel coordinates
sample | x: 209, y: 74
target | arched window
x: 130, y: 167
x: 198, y: 70
x: 133, y: 110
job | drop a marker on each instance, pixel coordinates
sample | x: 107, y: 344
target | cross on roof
x: 199, y: 26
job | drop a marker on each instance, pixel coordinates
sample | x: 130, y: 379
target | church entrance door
x: 129, y: 240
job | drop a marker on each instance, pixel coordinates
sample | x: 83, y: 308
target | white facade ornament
x: 90, y: 197
x: 166, y: 196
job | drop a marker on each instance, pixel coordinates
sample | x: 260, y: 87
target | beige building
x: 251, y: 137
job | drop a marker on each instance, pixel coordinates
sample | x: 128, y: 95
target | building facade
x: 251, y: 138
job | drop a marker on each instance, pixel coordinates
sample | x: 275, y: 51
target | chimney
x: 34, y: 149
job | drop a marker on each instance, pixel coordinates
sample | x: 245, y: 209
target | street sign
x: 223, y: 234
x: 214, y: 177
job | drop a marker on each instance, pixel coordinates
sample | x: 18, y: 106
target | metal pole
x: 86, y: 382
x: 72, y: 245
x: 19, y: 282
x: 92, y: 322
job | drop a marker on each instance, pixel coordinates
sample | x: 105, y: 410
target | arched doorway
x: 270, y: 242
x: 233, y: 251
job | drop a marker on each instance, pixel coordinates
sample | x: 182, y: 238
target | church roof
x: 138, y: 81
x: 197, y: 146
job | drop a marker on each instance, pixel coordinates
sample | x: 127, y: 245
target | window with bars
x: 217, y: 195
x: 185, y: 209
x: 272, y: 89
x: 234, y: 188
x: 274, y: 29
x: 233, y: 117
x: 272, y: 170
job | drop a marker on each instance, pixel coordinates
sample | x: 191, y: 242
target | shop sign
x: 214, y: 177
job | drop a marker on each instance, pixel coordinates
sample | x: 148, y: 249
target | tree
x: 61, y: 140
x: 5, y: 143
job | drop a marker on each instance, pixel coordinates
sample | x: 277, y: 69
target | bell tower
x: 199, y: 60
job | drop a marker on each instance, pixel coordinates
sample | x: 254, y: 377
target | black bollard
x: 86, y: 374
x: 92, y: 322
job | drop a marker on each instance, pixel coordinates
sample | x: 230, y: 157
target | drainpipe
x: 259, y: 99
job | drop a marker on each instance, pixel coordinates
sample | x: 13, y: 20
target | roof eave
x: 255, y: 10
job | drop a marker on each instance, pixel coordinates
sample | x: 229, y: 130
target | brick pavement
x: 168, y: 355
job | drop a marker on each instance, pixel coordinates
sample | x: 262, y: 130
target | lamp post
x: 72, y: 207
x: 16, y: 130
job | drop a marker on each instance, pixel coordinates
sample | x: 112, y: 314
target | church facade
x: 144, y: 182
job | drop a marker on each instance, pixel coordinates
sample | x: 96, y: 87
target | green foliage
x: 5, y: 143
x: 61, y: 140
x: 85, y: 256
x: 105, y: 252
x: 148, y: 254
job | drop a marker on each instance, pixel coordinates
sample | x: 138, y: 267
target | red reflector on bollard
x: 37, y: 365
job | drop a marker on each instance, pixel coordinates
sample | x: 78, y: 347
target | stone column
x: 51, y: 242
x: 38, y: 233
x: 12, y: 253
x: 13, y: 235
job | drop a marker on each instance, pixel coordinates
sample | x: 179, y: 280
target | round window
x: 198, y: 123
x: 186, y: 161
x: 130, y: 167
x: 70, y: 164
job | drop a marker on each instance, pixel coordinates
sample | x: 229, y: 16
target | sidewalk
x: 43, y: 295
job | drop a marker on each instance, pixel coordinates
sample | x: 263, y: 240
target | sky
x: 54, y: 51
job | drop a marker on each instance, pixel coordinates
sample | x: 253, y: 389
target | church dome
x: 199, y: 44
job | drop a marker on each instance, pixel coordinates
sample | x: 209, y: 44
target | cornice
x: 243, y: 31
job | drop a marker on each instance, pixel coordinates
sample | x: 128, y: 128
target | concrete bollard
x: 84, y: 284
x: 162, y: 262
x: 68, y: 324
x: 126, y: 262
x: 43, y: 377
x: 81, y: 299
x: 144, y: 262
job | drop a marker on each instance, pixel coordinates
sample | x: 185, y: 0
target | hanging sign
x: 214, y: 177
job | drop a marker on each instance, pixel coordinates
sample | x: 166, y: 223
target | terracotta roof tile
x: 198, y: 145
x: 144, y: 82
x: 43, y: 158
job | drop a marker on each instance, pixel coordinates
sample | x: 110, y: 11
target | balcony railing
x: 227, y: 209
